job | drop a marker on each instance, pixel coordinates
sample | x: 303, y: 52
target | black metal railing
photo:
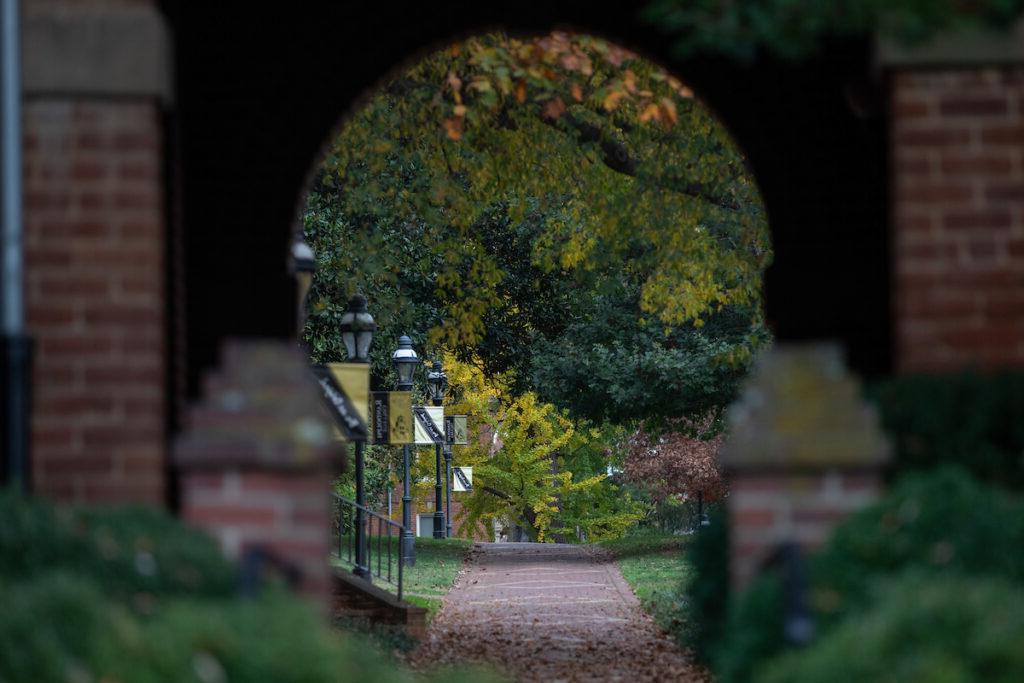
x: 370, y: 543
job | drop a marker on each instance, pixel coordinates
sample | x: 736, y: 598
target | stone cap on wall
x: 261, y: 410
x: 800, y: 409
x: 962, y: 48
x: 96, y: 49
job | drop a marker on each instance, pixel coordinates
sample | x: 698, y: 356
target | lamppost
x: 448, y: 490
x: 357, y: 327
x: 437, y: 381
x: 405, y: 361
x: 303, y: 265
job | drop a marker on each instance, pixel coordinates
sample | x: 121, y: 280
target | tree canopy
x: 793, y: 30
x: 553, y: 208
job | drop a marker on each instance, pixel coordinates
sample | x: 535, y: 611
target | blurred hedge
x: 708, y: 593
x: 941, y: 525
x: 970, y: 419
x: 919, y: 629
x: 130, y: 594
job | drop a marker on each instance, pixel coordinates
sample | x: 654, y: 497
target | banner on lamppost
x: 354, y: 380
x: 428, y: 425
x: 463, y: 479
x: 391, y: 417
x: 340, y: 405
x: 455, y: 432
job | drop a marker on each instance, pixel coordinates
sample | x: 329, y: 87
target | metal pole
x: 17, y: 346
x: 438, y: 500
x: 448, y: 490
x: 361, y: 569
x: 408, y: 537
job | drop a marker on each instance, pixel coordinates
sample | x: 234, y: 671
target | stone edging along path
x: 551, y: 612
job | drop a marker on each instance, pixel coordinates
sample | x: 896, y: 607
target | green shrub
x: 943, y: 522
x: 707, y: 594
x: 125, y: 551
x: 60, y: 628
x: 920, y: 630
x: 130, y: 594
x: 752, y: 632
x: 940, y: 524
x: 968, y: 419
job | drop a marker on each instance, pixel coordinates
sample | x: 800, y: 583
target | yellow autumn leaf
x: 650, y: 113
x: 668, y: 108
x: 611, y: 100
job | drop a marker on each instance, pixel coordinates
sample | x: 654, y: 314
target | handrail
x: 382, y: 555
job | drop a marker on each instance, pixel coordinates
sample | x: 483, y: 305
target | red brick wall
x: 94, y: 288
x: 286, y: 513
x: 958, y: 203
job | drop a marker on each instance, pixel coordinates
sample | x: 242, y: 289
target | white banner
x: 423, y: 436
x: 463, y: 477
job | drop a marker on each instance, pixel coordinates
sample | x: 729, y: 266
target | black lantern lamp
x: 302, y: 265
x: 405, y: 360
x: 357, y: 327
x: 437, y: 381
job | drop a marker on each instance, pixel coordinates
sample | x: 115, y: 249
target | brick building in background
x: 103, y: 184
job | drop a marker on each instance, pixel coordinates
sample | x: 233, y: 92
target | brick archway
x: 277, y: 107
x: 894, y: 195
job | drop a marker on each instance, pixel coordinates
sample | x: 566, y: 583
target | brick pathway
x: 544, y: 612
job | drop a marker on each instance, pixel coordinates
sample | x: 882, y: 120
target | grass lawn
x: 437, y: 563
x: 654, y: 566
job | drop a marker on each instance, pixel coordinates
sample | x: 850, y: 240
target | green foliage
x: 795, y: 30
x: 545, y: 472
x: 969, y: 419
x: 524, y: 202
x: 704, y: 609
x: 752, y: 631
x: 131, y: 595
x: 943, y: 522
x: 940, y: 525
x: 126, y: 551
x: 437, y: 563
x: 655, y: 567
x: 920, y: 630
x: 57, y: 628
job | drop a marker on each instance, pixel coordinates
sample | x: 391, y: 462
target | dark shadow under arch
x: 258, y: 93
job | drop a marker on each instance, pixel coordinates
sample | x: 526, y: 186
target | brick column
x: 257, y: 458
x: 958, y: 215
x: 96, y: 82
x: 803, y: 452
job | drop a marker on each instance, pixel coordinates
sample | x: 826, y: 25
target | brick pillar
x: 804, y: 451
x: 256, y: 461
x: 958, y: 215
x: 96, y: 82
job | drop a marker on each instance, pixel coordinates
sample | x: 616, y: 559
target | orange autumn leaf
x: 554, y: 108
x: 520, y: 91
x: 629, y: 81
x: 611, y: 100
x: 454, y: 82
x: 668, y: 108
x: 453, y: 127
x: 577, y: 92
x: 650, y: 113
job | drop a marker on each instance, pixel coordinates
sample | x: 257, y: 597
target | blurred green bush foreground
x: 925, y: 585
x: 130, y: 595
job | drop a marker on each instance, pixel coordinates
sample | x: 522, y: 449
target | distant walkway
x: 545, y: 612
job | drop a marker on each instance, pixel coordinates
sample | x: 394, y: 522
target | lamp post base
x: 409, y: 549
x: 362, y: 573
x: 439, y: 525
